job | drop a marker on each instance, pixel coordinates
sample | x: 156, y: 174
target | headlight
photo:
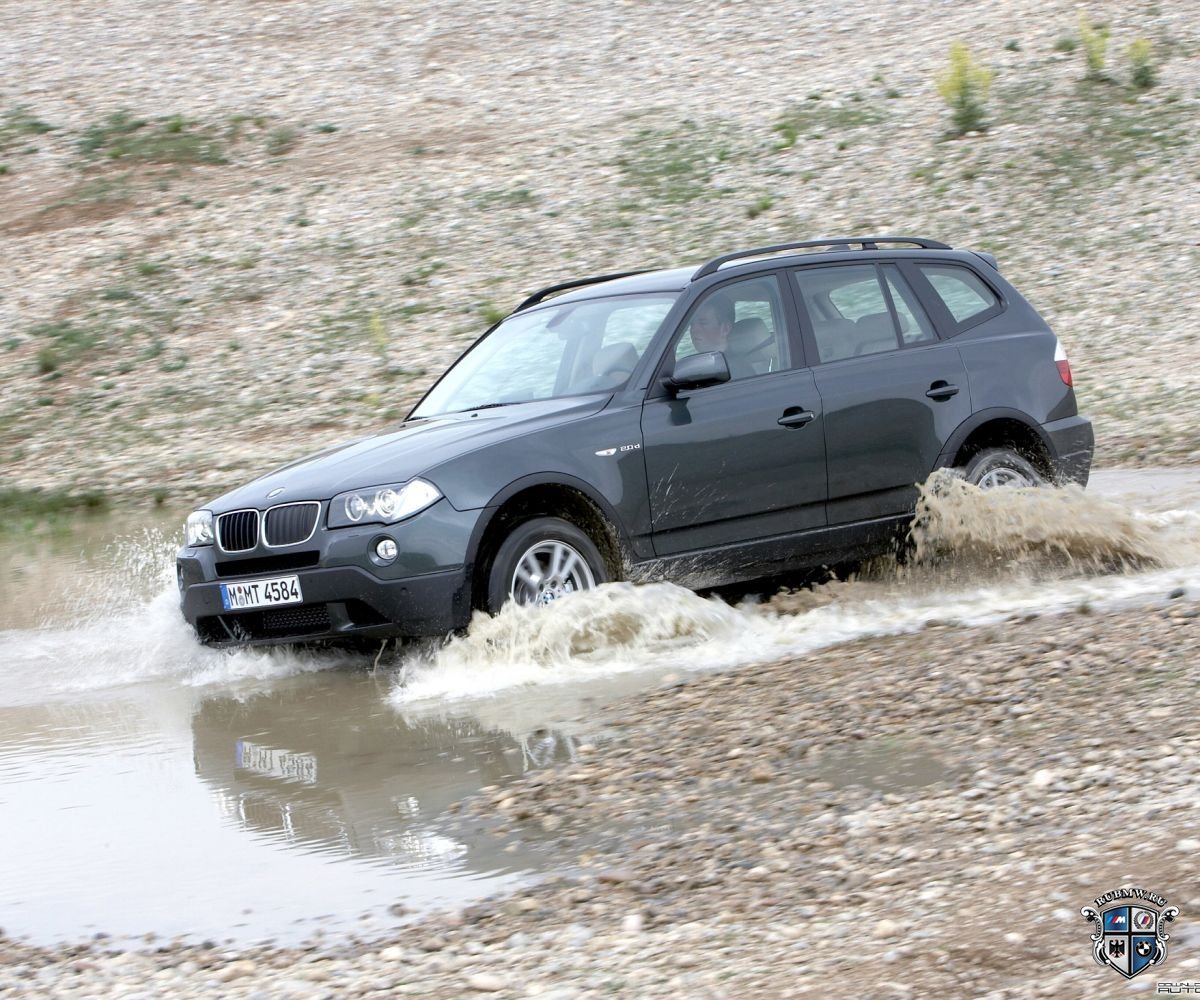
x: 199, y: 528
x: 382, y: 504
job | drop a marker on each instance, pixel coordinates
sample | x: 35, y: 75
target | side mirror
x: 697, y: 371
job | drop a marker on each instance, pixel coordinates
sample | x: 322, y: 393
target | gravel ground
x: 329, y: 200
x: 909, y: 816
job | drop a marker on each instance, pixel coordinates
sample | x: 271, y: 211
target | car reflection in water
x: 321, y: 764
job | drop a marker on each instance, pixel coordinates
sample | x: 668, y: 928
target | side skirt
x: 771, y: 556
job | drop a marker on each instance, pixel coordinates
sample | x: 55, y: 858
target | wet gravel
x: 720, y: 850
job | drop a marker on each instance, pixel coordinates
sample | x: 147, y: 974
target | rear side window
x: 961, y: 290
x: 861, y: 309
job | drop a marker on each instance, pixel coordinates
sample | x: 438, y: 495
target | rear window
x: 961, y: 290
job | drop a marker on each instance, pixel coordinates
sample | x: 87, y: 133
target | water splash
x: 126, y: 629
x: 959, y: 522
x: 977, y: 557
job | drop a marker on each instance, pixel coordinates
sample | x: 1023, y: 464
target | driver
x: 711, y: 324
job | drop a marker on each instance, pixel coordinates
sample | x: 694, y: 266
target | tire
x: 1000, y: 467
x: 539, y: 543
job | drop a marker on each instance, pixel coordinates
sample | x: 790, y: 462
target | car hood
x: 395, y: 456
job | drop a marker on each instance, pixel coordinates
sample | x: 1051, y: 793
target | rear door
x: 743, y: 460
x: 891, y: 391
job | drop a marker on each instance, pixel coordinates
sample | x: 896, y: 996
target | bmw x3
x: 771, y: 410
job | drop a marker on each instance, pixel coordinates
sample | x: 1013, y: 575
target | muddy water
x: 150, y: 785
x: 249, y: 811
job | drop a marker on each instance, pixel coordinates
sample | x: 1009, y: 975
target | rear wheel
x: 541, y: 561
x: 996, y: 467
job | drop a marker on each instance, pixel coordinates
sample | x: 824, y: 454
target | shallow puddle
x: 268, y: 811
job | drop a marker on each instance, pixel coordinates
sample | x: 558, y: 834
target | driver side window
x: 744, y: 321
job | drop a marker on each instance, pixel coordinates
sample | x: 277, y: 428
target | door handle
x: 796, y: 416
x: 942, y: 390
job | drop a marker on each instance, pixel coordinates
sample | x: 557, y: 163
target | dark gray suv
x: 771, y: 410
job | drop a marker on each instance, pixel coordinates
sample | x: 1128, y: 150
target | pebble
x: 486, y: 982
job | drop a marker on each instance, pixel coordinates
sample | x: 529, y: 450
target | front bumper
x: 348, y: 592
x: 1072, y: 442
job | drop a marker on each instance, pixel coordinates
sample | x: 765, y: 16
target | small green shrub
x: 964, y: 87
x: 760, y: 205
x: 282, y: 140
x: 491, y: 314
x: 66, y: 342
x: 1012, y: 45
x: 787, y: 134
x: 18, y: 122
x: 1066, y: 44
x: 1095, y: 46
x: 1143, y: 74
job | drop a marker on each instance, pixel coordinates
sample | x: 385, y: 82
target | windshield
x: 578, y: 347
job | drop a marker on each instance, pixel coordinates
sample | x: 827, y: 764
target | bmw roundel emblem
x: 275, y: 492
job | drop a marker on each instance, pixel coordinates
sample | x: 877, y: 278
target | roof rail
x: 837, y: 243
x: 537, y: 296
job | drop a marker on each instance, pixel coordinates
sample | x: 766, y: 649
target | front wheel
x: 996, y: 467
x: 542, y: 560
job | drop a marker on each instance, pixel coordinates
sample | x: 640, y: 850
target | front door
x: 743, y: 460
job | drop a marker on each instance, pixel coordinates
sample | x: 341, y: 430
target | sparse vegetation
x: 1143, y: 74
x: 816, y: 121
x: 21, y: 508
x: 1095, y: 46
x: 66, y: 343
x: 18, y: 123
x: 761, y: 204
x: 168, y: 140
x: 674, y: 166
x: 1066, y: 44
x: 98, y: 190
x: 282, y: 139
x: 491, y: 314
x: 964, y: 87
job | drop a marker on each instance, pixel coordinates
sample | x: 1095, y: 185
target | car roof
x: 676, y: 279
x: 672, y: 279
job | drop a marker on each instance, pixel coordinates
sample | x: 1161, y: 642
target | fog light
x: 386, y: 549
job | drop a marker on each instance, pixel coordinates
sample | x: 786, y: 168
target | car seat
x: 876, y: 333
x: 748, y: 348
x: 613, y: 364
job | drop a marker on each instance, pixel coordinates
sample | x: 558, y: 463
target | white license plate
x: 276, y: 763
x: 261, y: 593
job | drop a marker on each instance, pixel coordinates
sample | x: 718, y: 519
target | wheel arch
x: 1000, y: 428
x: 546, y: 496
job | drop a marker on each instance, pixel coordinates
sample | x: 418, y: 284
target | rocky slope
x: 235, y: 231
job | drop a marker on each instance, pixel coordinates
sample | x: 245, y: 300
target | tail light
x: 1064, y: 366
